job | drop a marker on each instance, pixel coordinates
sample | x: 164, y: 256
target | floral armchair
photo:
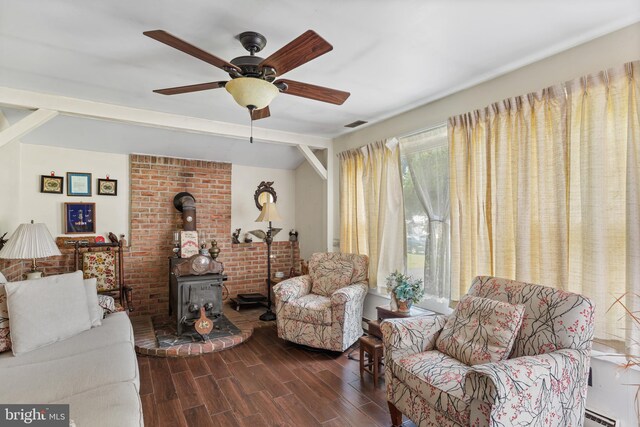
x: 324, y: 308
x: 543, y: 382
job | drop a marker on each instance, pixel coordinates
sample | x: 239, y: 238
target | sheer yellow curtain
x: 372, y: 208
x: 544, y: 189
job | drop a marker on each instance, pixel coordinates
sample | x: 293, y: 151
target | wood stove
x: 194, y: 283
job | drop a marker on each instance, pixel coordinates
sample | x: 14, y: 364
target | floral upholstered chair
x: 511, y: 354
x: 324, y: 308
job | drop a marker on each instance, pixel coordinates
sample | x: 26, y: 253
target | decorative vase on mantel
x: 404, y: 306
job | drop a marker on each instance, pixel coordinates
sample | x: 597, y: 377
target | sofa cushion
x: 5, y: 337
x: 47, y: 310
x: 329, y: 272
x: 311, y: 308
x: 480, y: 330
x: 438, y: 379
x: 116, y: 328
x: 95, y: 311
x: 59, y: 378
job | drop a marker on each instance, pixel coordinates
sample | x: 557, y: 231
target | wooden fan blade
x: 262, y: 113
x: 190, y: 88
x: 181, y: 45
x: 303, y: 49
x: 318, y: 93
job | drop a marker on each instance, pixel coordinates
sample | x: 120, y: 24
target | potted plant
x: 404, y: 290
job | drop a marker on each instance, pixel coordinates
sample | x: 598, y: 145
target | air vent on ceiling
x: 355, y: 124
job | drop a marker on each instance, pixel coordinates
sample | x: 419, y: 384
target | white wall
x: 311, y: 210
x: 245, y: 181
x: 112, y: 212
x: 9, y: 187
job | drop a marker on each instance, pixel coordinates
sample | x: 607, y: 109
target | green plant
x: 405, y: 287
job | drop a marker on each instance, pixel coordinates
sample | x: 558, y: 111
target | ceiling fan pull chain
x: 251, y: 120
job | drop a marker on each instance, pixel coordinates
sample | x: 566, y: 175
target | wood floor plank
x: 336, y: 422
x: 347, y: 392
x: 247, y: 355
x: 354, y: 416
x: 272, y: 415
x: 213, y: 398
x: 217, y: 365
x: 318, y: 386
x: 226, y: 419
x: 237, y: 398
x: 277, y: 367
x: 230, y: 356
x: 379, y: 415
x: 256, y: 420
x: 245, y: 377
x: 163, y: 387
x: 366, y: 387
x: 198, y: 417
x: 187, y: 389
x: 177, y: 364
x: 295, y: 410
x: 268, y: 381
x: 149, y: 410
x: 146, y: 384
x: 319, y: 407
x: 170, y: 414
x: 197, y: 366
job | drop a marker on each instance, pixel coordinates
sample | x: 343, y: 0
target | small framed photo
x: 79, y: 218
x: 107, y: 187
x: 78, y: 184
x: 188, y: 244
x: 51, y: 184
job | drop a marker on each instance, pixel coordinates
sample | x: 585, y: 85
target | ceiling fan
x: 253, y: 82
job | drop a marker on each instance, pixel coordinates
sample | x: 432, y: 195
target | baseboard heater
x: 594, y: 419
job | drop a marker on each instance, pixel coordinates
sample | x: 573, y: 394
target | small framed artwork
x: 51, y: 184
x: 188, y: 244
x: 79, y: 218
x: 107, y: 187
x: 78, y: 184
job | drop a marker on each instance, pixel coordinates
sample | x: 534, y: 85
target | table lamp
x: 30, y: 241
x: 268, y: 214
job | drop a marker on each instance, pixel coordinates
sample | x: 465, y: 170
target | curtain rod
x: 423, y: 130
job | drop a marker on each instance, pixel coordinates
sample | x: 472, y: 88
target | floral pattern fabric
x: 329, y: 272
x: 480, y: 330
x: 102, y: 266
x: 5, y: 337
x: 304, y: 317
x: 542, y: 383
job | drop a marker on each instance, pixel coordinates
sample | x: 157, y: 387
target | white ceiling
x: 392, y: 56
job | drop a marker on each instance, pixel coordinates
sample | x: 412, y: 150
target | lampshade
x: 30, y: 241
x: 269, y: 213
x: 250, y: 91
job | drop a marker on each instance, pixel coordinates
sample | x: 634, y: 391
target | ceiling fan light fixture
x: 251, y: 91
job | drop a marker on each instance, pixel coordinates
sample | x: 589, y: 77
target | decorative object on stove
x: 3, y: 240
x: 293, y: 235
x: 176, y: 244
x: 195, y: 284
x: 235, y: 236
x: 78, y: 184
x: 30, y: 241
x: 186, y: 203
x: 51, y: 184
x: 264, y: 193
x: 268, y: 214
x: 202, y: 242
x: 79, y: 218
x: 214, y: 250
x: 188, y: 244
x: 107, y: 187
x: 203, y: 325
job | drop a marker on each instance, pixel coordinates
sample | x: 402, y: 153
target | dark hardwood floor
x: 263, y: 382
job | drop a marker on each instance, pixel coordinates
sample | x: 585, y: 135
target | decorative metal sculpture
x: 3, y: 240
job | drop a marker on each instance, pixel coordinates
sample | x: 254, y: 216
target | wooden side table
x: 374, y: 352
x: 385, y: 312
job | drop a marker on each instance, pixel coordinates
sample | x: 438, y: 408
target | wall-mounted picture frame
x: 107, y: 187
x: 78, y: 184
x: 51, y: 184
x: 79, y: 218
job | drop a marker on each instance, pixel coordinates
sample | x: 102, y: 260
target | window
x: 425, y: 183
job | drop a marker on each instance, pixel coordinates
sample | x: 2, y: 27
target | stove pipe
x: 186, y: 203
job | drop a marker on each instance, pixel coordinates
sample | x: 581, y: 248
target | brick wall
x: 154, y: 183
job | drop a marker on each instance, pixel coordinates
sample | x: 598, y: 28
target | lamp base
x: 34, y: 274
x: 268, y: 316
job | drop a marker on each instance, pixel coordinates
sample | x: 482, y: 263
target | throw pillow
x: 5, y: 338
x: 107, y: 304
x: 44, y: 311
x: 480, y: 330
x: 95, y: 311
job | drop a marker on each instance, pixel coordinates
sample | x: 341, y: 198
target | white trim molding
x: 26, y: 125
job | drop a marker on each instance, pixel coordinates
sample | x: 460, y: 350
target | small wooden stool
x: 373, y: 347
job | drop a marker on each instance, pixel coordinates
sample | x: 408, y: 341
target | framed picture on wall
x: 107, y: 187
x: 78, y: 184
x: 51, y: 184
x: 79, y: 218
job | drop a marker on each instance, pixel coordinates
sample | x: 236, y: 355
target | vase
x: 393, y: 304
x: 404, y: 306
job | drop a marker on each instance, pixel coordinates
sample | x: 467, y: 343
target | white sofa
x: 95, y: 372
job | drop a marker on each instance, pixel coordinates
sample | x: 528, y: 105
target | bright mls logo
x: 34, y: 415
